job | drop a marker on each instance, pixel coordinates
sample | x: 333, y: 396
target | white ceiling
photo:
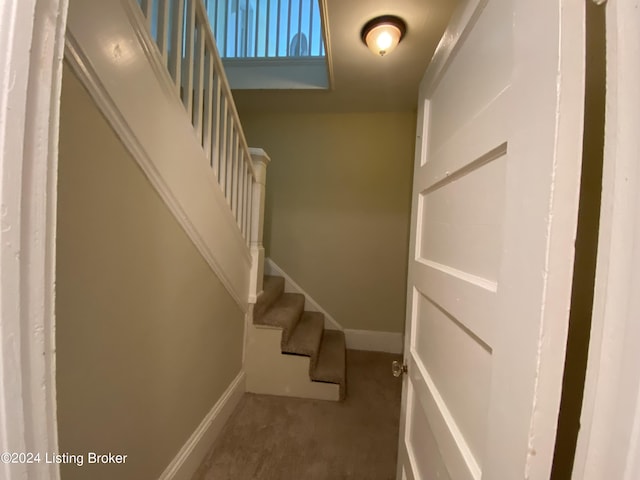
x: 361, y: 81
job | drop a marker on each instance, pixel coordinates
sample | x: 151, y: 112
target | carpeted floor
x: 281, y: 438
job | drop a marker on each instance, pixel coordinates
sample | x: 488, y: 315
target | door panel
x: 469, y: 204
x: 428, y: 464
x: 494, y: 213
x: 480, y: 70
x: 430, y: 412
x: 459, y: 365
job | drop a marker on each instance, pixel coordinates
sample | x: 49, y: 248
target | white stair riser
x: 269, y: 371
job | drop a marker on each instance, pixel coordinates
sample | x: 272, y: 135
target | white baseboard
x: 191, y: 455
x: 271, y: 268
x: 374, y: 341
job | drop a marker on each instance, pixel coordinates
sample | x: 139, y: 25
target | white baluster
x: 288, y: 39
x: 266, y: 47
x: 237, y: 36
x: 187, y: 86
x: 300, y: 28
x: 175, y: 57
x: 198, y: 83
x: 241, y: 191
x: 278, y: 29
x: 257, y: 23
x: 222, y: 179
x: 245, y: 206
x: 245, y: 46
x: 229, y: 158
x: 216, y: 126
x: 310, y: 25
x: 208, y: 106
x: 163, y: 29
x: 234, y: 173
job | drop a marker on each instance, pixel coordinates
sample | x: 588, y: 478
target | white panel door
x: 495, y: 201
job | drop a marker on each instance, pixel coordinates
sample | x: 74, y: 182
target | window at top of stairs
x: 270, y: 44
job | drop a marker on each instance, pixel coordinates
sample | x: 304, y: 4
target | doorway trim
x: 31, y: 52
x: 609, y: 438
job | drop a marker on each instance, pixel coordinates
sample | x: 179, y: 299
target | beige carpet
x: 281, y: 438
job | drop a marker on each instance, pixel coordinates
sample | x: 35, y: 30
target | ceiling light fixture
x: 382, y: 34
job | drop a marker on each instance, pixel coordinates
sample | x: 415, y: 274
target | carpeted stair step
x: 284, y: 313
x: 331, y: 364
x: 272, y: 289
x: 306, y: 338
x: 303, y: 332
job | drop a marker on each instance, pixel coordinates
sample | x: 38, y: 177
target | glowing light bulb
x: 384, y: 41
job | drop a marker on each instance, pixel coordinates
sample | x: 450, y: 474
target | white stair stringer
x: 271, y: 372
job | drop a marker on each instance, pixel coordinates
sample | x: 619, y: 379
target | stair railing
x: 186, y: 43
x: 267, y: 28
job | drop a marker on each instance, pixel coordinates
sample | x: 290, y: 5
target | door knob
x: 398, y: 368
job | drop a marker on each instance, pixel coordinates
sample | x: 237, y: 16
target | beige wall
x: 147, y: 337
x: 337, y: 210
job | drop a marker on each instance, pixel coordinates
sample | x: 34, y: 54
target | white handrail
x: 183, y: 35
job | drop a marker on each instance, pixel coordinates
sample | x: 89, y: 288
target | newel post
x: 260, y: 161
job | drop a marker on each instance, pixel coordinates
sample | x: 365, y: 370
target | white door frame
x: 609, y: 439
x: 31, y: 52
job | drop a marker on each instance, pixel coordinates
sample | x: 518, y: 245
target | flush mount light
x: 382, y: 34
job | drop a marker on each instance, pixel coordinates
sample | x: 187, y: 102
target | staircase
x: 289, y: 351
x: 219, y: 197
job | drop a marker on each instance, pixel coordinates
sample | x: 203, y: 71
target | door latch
x: 398, y: 368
